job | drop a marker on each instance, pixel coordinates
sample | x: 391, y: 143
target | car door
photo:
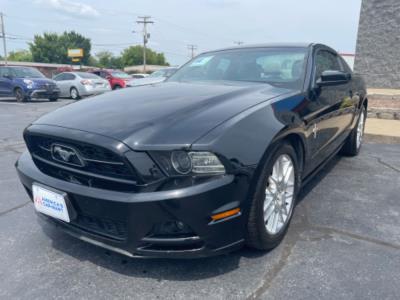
x: 6, y: 86
x: 60, y: 80
x: 330, y: 109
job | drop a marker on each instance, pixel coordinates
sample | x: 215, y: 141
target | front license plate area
x: 50, y: 202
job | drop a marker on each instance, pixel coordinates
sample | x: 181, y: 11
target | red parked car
x: 117, y: 79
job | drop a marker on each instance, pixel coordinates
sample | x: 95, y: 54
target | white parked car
x: 80, y: 84
x: 155, y: 77
x: 139, y: 75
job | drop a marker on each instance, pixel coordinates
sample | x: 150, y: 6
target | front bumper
x: 43, y: 93
x: 130, y: 218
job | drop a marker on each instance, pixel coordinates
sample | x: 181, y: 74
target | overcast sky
x: 209, y: 24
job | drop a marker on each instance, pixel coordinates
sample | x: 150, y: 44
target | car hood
x: 165, y: 115
x: 148, y: 80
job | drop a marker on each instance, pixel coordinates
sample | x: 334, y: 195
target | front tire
x: 274, y: 199
x: 53, y: 99
x: 19, y: 95
x: 353, y: 143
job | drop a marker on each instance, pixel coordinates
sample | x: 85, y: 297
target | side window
x: 69, y: 76
x: 59, y: 77
x: 2, y: 72
x: 325, y: 60
x: 103, y: 74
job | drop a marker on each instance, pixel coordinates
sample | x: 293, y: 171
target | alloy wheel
x: 279, y: 195
x: 19, y: 96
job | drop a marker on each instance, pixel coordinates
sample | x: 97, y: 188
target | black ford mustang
x: 201, y: 164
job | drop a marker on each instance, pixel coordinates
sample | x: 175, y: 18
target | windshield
x: 87, y: 75
x: 119, y: 74
x: 283, y: 67
x: 26, y: 73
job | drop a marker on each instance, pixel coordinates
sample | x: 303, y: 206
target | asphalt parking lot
x: 343, y: 243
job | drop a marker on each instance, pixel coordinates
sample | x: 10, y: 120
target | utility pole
x: 145, y: 20
x: 238, y: 43
x: 3, y: 34
x: 192, y: 48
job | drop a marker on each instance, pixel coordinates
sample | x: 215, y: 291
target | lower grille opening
x: 172, y: 236
x: 109, y: 228
x: 163, y: 247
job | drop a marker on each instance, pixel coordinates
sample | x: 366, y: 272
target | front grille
x: 46, y: 86
x: 102, y: 168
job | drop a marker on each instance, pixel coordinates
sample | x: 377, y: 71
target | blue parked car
x: 25, y: 83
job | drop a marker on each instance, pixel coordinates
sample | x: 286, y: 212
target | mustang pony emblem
x: 66, y: 154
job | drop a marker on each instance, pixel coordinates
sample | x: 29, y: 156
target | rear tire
x: 74, y: 94
x: 353, y: 142
x: 19, y: 95
x: 53, y: 99
x: 117, y: 87
x: 273, y: 200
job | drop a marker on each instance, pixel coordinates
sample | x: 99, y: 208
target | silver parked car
x: 79, y: 84
x: 155, y: 77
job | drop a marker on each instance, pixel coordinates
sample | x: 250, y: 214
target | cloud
x: 71, y: 7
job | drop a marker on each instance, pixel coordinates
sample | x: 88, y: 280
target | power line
x: 145, y: 20
x: 192, y: 48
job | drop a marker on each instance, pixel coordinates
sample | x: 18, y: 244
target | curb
x: 383, y: 114
x: 381, y: 139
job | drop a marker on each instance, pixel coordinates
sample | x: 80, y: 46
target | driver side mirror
x: 333, y: 78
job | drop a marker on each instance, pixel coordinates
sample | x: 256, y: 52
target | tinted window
x: 26, y: 73
x: 277, y: 66
x: 4, y: 72
x: 69, y: 76
x: 324, y: 61
x: 59, y: 77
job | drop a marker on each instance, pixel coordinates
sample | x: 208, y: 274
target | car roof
x: 274, y: 45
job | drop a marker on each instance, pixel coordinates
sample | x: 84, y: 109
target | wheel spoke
x: 268, y: 213
x: 281, y: 217
x: 275, y: 222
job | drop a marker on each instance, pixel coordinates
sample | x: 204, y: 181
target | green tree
x: 53, y: 48
x: 134, y: 56
x: 20, y: 55
x: 105, y: 59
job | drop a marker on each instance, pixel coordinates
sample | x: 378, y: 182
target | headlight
x: 206, y: 163
x: 181, y: 162
x: 189, y: 163
x: 29, y: 83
